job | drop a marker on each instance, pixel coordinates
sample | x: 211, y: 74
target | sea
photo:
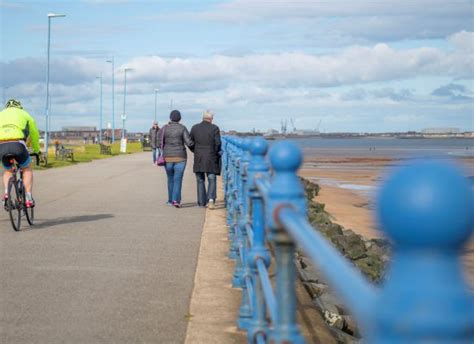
x: 351, y: 154
x: 388, y: 147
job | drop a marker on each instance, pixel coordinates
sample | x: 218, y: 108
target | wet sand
x: 348, y: 190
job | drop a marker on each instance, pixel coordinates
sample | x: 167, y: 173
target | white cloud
x: 353, y: 65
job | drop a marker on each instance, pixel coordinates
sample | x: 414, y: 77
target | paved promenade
x: 107, y: 261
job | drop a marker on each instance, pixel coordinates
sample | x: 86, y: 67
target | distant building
x: 80, y: 133
x: 82, y: 128
x: 441, y: 131
x: 271, y: 132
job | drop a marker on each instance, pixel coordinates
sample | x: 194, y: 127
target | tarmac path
x: 107, y: 260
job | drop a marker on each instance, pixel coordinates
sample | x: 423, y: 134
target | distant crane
x: 293, y: 124
x: 319, y: 124
x: 284, y: 124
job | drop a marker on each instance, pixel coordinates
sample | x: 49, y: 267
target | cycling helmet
x: 13, y: 103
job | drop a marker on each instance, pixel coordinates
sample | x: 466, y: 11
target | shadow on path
x: 72, y: 219
x: 189, y: 205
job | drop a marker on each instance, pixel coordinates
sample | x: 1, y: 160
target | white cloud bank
x: 351, y: 66
x: 354, y: 65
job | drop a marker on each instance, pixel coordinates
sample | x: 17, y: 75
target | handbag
x: 161, y: 159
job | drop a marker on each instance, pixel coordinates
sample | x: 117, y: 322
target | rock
x: 350, y: 326
x: 331, y: 303
x: 310, y: 273
x: 318, y: 219
x: 325, y: 303
x: 315, y: 289
x: 331, y: 231
x: 334, y: 320
x: 384, y: 243
x: 372, y: 266
x: 351, y: 245
x: 375, y: 250
x: 315, y: 207
x: 311, y: 189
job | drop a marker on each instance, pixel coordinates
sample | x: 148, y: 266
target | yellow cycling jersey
x: 17, y: 124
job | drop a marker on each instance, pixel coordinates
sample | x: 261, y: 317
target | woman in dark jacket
x: 174, y: 136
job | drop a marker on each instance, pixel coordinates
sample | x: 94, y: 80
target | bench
x: 105, y: 149
x: 65, y: 154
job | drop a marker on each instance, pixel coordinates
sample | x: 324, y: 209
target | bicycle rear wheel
x: 14, y: 204
x: 29, y: 212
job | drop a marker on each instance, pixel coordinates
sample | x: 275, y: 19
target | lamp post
x: 124, y: 116
x: 50, y: 15
x: 100, y: 116
x: 156, y: 91
x: 113, y: 98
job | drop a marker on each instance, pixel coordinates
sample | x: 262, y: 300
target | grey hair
x: 207, y: 115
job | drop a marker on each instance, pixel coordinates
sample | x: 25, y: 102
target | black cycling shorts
x: 18, y: 150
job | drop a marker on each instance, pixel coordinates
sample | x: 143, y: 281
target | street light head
x: 55, y: 15
x: 157, y: 89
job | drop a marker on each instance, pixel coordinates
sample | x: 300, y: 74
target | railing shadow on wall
x: 427, y: 210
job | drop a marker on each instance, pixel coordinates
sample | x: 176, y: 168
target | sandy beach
x: 348, y: 190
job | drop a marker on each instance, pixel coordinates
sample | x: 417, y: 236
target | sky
x: 352, y: 66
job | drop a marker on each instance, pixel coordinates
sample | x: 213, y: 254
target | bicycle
x: 16, y: 201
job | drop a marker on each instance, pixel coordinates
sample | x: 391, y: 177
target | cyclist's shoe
x: 29, y: 202
x: 5, y: 201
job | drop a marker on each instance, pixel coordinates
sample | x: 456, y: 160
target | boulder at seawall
x: 368, y: 255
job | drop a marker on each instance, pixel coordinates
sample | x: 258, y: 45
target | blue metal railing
x: 426, y: 208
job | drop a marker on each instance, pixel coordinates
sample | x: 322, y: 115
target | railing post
x: 257, y: 169
x: 238, y: 239
x: 225, y: 157
x: 229, y: 167
x: 285, y: 191
x: 231, y: 198
x: 245, y: 313
x: 427, y: 209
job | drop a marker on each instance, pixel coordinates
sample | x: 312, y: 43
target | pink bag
x: 161, y: 159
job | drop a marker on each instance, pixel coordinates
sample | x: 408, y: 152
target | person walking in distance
x: 207, y: 158
x: 173, y: 139
x: 154, y: 140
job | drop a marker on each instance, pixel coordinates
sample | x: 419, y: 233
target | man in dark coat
x: 207, y: 158
x: 154, y: 140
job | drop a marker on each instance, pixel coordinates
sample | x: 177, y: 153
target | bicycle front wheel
x: 14, y: 204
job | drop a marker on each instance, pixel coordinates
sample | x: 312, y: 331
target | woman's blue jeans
x: 175, y: 172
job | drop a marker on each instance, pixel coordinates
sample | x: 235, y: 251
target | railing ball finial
x: 285, y: 157
x: 246, y: 143
x: 259, y: 146
x: 427, y: 205
x: 427, y: 209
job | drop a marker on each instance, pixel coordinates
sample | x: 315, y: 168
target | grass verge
x: 87, y: 153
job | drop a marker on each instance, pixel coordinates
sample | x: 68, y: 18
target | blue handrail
x: 425, y: 208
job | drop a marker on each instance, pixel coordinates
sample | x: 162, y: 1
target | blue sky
x: 359, y: 66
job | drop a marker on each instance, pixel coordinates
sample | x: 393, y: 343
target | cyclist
x: 16, y: 126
